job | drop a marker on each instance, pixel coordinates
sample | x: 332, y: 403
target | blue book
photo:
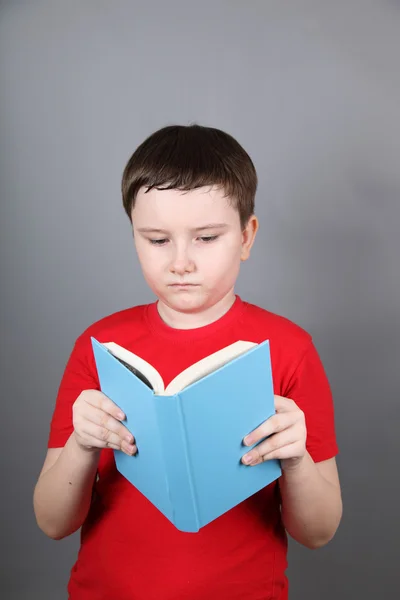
x: 190, y: 435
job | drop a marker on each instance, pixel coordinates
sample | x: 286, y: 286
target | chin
x: 188, y: 307
x: 186, y: 303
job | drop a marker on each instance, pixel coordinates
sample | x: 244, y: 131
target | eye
x: 160, y: 242
x: 208, y: 238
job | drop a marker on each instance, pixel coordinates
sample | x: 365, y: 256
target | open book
x: 151, y: 377
x: 190, y: 434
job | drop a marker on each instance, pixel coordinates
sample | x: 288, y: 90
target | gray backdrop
x: 312, y: 90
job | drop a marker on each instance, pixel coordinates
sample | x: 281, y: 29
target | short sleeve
x: 309, y: 388
x: 80, y: 374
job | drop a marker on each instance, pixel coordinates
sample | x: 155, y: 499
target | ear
x: 248, y: 237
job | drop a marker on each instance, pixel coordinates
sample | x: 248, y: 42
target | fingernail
x: 247, y: 440
x: 129, y: 438
x: 247, y: 459
x: 121, y: 415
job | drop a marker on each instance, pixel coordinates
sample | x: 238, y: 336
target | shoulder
x: 116, y: 326
x: 274, y: 326
x: 292, y: 348
x: 289, y: 342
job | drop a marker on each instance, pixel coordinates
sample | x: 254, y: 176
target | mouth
x: 183, y: 285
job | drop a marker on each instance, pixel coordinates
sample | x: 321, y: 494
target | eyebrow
x: 197, y: 229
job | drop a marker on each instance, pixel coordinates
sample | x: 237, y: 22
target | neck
x: 180, y: 320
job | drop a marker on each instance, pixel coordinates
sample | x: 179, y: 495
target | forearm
x: 311, y: 505
x: 63, y: 494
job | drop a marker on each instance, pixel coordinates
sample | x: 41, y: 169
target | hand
x: 97, y: 424
x: 287, y: 441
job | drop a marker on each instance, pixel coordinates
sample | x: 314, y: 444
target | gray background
x: 312, y: 90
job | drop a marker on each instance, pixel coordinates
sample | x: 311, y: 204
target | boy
x: 189, y: 193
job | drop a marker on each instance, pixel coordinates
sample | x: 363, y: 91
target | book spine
x: 175, y: 447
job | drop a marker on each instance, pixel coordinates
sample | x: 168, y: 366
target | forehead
x: 167, y: 208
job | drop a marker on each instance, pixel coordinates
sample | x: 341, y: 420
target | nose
x: 182, y: 262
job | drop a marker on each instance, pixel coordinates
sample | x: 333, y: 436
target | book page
x: 207, y: 365
x: 140, y: 367
x: 134, y: 371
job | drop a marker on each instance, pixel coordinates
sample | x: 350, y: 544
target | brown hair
x: 188, y: 157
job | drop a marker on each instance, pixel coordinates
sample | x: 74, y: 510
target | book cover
x: 190, y: 444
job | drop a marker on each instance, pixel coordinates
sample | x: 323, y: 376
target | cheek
x: 151, y: 272
x: 223, y: 263
x: 149, y: 262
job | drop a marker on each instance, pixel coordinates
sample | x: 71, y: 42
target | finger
x: 283, y: 404
x: 94, y: 442
x: 100, y: 400
x: 274, y: 424
x: 104, y: 419
x: 272, y: 444
x: 290, y: 451
x: 106, y: 438
x: 294, y: 450
x: 91, y: 441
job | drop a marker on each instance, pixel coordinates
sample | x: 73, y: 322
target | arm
x: 311, y: 498
x: 311, y: 501
x: 63, y: 492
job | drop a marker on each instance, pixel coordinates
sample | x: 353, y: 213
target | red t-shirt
x: 129, y: 550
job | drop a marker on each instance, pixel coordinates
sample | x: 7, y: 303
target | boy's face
x: 190, y: 245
